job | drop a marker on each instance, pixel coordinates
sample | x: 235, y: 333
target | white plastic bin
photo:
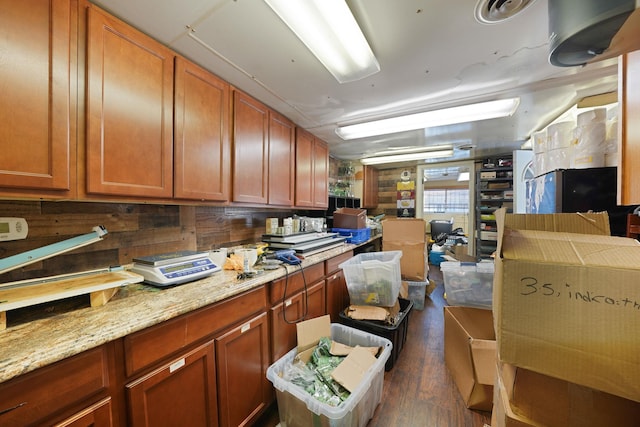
x: 373, y: 278
x: 468, y: 284
x: 297, y: 408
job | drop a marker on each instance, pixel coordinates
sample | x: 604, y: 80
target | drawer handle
x: 19, y: 405
x: 176, y: 365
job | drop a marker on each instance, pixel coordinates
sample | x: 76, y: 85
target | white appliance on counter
x: 174, y: 268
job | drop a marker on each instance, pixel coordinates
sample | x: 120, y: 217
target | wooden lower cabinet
x: 336, y: 285
x: 182, y: 392
x: 242, y: 361
x: 56, y: 392
x: 98, y: 415
x: 337, y: 295
x: 287, y: 314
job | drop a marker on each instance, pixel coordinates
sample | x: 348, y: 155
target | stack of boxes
x: 567, y: 314
x: 408, y: 236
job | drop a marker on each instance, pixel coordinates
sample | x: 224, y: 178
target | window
x: 446, y: 200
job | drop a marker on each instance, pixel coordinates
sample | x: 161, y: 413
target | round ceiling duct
x: 494, y: 11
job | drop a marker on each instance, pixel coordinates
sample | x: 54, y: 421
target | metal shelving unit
x: 494, y: 189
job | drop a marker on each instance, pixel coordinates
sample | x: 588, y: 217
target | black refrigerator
x: 573, y: 190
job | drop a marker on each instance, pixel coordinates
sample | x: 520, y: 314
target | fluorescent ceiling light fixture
x: 447, y: 116
x: 463, y: 176
x: 331, y: 33
x: 406, y: 157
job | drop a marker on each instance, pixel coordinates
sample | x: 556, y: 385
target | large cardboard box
x: 470, y: 354
x: 543, y: 400
x: 350, y: 218
x: 407, y: 235
x: 567, y: 300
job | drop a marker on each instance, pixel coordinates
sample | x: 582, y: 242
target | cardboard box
x: 543, y: 400
x: 470, y: 354
x: 567, y: 304
x: 407, y: 235
x: 350, y: 218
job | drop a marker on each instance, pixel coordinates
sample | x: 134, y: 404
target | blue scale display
x: 174, y: 268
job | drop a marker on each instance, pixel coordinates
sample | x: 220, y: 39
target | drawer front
x: 332, y: 265
x: 144, y: 348
x: 295, y: 282
x: 36, y: 396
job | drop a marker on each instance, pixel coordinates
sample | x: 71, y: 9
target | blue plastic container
x: 354, y: 235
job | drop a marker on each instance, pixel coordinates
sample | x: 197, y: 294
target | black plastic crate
x: 397, y: 334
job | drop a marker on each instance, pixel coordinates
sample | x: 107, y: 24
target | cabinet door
x: 281, y: 160
x: 52, y: 392
x: 242, y: 362
x: 37, y: 95
x: 370, y: 188
x: 296, y: 309
x: 129, y: 110
x: 250, y: 150
x: 182, y: 393
x: 98, y: 415
x: 337, y: 295
x: 320, y: 174
x: 629, y: 152
x: 201, y: 134
x: 304, y: 168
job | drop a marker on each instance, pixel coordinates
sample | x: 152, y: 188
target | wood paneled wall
x: 387, y: 191
x: 133, y: 230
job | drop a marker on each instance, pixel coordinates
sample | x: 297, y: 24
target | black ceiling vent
x: 579, y: 30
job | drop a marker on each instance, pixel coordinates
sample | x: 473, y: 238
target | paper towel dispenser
x: 579, y: 30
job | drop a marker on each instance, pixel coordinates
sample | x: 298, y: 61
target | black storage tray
x: 397, y: 334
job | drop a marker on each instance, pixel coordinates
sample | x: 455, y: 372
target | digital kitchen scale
x: 174, y: 268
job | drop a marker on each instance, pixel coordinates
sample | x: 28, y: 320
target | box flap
x: 484, y: 357
x: 310, y: 331
x: 350, y: 372
x: 570, y: 248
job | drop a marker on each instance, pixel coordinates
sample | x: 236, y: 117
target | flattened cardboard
x: 367, y: 312
x: 407, y: 235
x: 567, y: 305
x: 310, y: 331
x: 470, y: 354
x: 338, y: 349
x: 353, y: 369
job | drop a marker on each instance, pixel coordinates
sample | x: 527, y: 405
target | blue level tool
x: 25, y: 258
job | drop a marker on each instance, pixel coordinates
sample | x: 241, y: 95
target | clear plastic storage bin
x: 373, y: 278
x: 297, y: 408
x: 468, y: 283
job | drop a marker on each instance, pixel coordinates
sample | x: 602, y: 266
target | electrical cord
x: 284, y: 296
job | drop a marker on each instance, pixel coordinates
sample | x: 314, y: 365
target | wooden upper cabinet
x: 202, y: 148
x: 129, y: 146
x: 312, y: 171
x: 304, y: 168
x: 250, y: 150
x: 38, y: 96
x: 320, y: 174
x: 629, y: 152
x: 370, y: 187
x: 282, y: 152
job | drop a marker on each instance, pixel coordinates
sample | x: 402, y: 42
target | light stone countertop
x: 28, y: 346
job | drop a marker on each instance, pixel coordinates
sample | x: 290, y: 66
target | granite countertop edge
x: 35, y: 344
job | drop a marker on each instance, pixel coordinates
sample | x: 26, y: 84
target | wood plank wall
x: 133, y: 230
x: 387, y: 190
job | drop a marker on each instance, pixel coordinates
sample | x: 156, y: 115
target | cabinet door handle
x: 19, y: 405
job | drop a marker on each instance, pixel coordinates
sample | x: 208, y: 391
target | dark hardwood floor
x: 419, y: 390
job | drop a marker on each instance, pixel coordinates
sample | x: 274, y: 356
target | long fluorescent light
x: 331, y: 33
x: 447, y: 116
x: 406, y: 157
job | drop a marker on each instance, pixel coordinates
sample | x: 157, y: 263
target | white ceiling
x: 432, y: 54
